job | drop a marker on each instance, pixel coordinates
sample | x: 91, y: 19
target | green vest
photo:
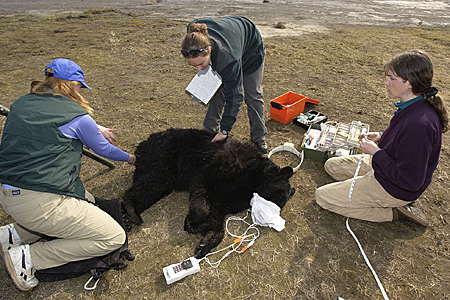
x: 34, y: 154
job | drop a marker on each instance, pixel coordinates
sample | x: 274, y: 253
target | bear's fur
x: 221, y: 178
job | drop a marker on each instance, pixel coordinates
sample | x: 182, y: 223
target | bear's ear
x: 287, y: 172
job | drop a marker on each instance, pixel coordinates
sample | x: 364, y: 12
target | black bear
x: 221, y: 178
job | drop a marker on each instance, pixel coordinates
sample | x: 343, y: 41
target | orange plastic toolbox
x: 286, y: 107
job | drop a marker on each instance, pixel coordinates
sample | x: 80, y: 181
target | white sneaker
x: 20, y: 268
x: 7, y: 238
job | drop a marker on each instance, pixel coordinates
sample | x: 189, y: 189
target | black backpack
x: 98, y: 265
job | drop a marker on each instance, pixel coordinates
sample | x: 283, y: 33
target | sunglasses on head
x: 193, y: 52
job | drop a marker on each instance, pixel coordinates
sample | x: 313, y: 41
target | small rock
x: 280, y: 26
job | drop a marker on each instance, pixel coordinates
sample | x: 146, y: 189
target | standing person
x: 40, y: 188
x: 234, y: 48
x: 399, y: 163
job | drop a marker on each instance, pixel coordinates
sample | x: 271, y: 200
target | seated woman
x: 40, y: 188
x: 401, y: 160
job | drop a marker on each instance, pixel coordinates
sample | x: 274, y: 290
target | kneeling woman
x: 402, y: 159
x: 40, y: 160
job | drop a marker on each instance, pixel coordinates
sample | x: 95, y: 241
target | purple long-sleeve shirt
x: 410, y: 148
x: 86, y: 130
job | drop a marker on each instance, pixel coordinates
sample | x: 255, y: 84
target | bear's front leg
x: 208, y: 242
x: 199, y: 208
x: 213, y: 234
x: 197, y: 216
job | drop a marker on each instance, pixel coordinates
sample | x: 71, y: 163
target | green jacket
x: 237, y: 50
x: 34, y: 154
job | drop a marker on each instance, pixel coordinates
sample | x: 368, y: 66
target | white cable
x: 354, y: 236
x: 235, y: 247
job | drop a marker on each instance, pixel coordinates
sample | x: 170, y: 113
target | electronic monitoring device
x: 180, y: 270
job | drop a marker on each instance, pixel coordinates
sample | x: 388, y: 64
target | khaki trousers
x: 369, y: 200
x: 82, y: 230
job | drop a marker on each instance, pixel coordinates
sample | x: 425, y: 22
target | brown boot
x: 411, y: 213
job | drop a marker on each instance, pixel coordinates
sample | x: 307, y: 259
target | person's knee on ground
x: 111, y: 241
x: 321, y: 200
x: 115, y: 242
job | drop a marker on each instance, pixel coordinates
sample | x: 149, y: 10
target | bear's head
x: 276, y: 187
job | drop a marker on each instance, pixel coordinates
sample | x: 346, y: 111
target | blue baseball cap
x: 67, y: 70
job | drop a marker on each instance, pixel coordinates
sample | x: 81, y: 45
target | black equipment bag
x: 95, y: 266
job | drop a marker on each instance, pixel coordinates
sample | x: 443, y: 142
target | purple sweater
x: 409, y: 154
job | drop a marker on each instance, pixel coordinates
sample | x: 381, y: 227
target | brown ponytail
x: 198, y: 27
x: 197, y: 38
x: 439, y: 106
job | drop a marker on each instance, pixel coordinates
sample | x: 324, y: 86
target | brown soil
x: 132, y: 62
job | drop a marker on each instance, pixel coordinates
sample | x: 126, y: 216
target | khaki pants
x: 369, y: 200
x: 82, y: 230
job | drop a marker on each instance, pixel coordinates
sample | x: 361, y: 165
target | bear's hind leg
x: 130, y: 212
x: 146, y: 190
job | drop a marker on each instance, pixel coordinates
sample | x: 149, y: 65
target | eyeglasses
x: 193, y: 52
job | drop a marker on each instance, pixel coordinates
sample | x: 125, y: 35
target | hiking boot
x: 413, y: 214
x: 262, y: 146
x: 20, y: 268
x: 7, y: 238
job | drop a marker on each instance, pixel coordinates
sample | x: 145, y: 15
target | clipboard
x: 204, y: 85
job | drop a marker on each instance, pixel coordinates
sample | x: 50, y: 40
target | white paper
x: 204, y: 85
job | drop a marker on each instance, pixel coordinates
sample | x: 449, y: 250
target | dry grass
x: 139, y: 79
